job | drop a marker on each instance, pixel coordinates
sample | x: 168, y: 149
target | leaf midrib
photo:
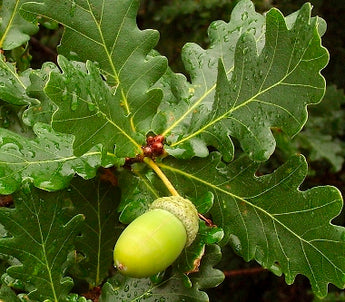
x: 245, y: 103
x: 101, y: 43
x: 97, y: 111
x: 5, y: 66
x: 45, y: 262
x: 7, y: 29
x: 197, y: 102
x: 59, y: 160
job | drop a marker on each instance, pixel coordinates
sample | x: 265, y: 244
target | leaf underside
x: 97, y: 201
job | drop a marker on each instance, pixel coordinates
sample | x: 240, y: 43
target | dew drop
x: 147, y: 294
x: 73, y: 8
x: 236, y: 243
x: 74, y: 102
x: 252, y: 30
x: 91, y: 106
x: 213, y: 26
x: 260, y: 74
x: 31, y: 154
x: 244, y: 16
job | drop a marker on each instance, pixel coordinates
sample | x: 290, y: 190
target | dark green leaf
x: 208, y: 277
x: 14, y: 30
x: 15, y: 284
x: 10, y: 119
x: 189, y: 260
x: 97, y: 201
x: 77, y: 298
x: 41, y: 241
x: 48, y: 160
x: 7, y: 295
x: 268, y: 218
x: 137, y: 192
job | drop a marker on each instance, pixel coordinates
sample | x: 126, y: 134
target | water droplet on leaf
x: 74, y: 102
x: 73, y: 8
x: 91, y: 106
x: 147, y: 294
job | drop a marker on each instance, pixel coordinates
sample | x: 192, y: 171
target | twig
x: 35, y: 42
x: 244, y: 272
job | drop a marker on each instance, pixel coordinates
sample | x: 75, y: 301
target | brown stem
x: 208, y: 222
x: 244, y: 272
x: 52, y: 54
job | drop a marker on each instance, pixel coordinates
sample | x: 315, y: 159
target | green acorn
x: 154, y: 240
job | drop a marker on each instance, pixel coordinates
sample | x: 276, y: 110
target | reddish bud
x: 150, y: 140
x: 159, y: 138
x: 147, y: 151
x: 157, y: 146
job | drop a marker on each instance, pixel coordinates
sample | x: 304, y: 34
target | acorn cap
x: 184, y: 210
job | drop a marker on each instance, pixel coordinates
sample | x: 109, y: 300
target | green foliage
x: 175, y: 288
x: 76, y: 152
x: 40, y: 240
x: 257, y: 220
x: 96, y: 201
x: 14, y: 29
x: 332, y: 297
x: 48, y: 160
x: 258, y: 84
x: 13, y: 86
x: 321, y: 138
